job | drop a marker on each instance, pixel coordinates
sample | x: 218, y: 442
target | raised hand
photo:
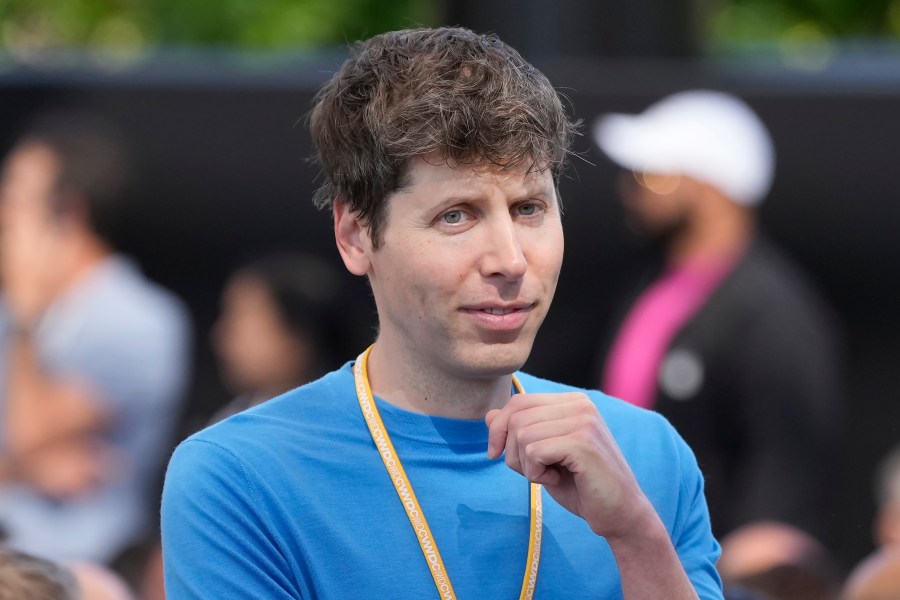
x: 562, y: 442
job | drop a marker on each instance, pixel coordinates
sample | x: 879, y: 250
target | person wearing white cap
x: 724, y: 337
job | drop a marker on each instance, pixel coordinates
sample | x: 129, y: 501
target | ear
x: 352, y: 239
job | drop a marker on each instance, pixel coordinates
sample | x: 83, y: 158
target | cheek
x: 423, y: 275
x: 547, y: 256
x: 244, y: 336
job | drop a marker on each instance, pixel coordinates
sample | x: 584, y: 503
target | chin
x: 494, y: 360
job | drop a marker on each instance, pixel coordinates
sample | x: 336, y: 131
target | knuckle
x: 587, y: 421
x: 515, y: 421
x: 522, y: 436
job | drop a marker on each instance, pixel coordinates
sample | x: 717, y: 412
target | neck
x: 86, y: 252
x: 719, y: 232
x: 410, y: 384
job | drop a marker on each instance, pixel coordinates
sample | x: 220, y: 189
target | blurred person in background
x: 26, y: 577
x: 724, y: 335
x: 277, y: 328
x: 876, y: 577
x: 778, y: 561
x: 886, y: 530
x: 97, y: 582
x: 93, y: 356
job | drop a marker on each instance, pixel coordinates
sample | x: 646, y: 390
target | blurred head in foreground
x: 25, y: 577
x: 875, y: 578
x: 780, y: 561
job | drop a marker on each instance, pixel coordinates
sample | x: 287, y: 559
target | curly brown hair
x: 470, y: 99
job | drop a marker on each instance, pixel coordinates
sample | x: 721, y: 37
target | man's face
x: 32, y: 255
x: 657, y: 205
x: 468, y: 267
x: 26, y: 185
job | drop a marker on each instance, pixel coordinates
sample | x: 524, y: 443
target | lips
x: 505, y: 318
x: 493, y: 309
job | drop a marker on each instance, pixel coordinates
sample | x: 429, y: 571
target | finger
x: 498, y: 428
x: 489, y: 417
x: 544, y: 459
x: 502, y: 437
x: 528, y: 424
x: 529, y: 439
x: 525, y: 409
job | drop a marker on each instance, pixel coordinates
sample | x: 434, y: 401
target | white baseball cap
x: 710, y: 136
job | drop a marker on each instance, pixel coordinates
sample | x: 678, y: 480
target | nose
x: 503, y: 256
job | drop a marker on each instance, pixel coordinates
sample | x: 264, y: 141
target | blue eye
x: 453, y: 217
x: 527, y: 209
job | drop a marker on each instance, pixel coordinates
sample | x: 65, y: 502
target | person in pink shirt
x: 725, y: 336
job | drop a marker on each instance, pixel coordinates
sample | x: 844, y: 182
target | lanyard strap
x: 411, y: 503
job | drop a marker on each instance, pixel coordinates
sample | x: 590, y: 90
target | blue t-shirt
x: 291, y: 500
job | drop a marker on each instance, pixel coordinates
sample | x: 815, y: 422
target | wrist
x: 642, y: 527
x: 24, y: 327
x: 7, y: 467
x: 651, y: 540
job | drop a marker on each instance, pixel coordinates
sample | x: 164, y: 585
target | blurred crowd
x: 722, y: 333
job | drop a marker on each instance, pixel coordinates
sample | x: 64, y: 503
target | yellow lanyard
x: 411, y: 504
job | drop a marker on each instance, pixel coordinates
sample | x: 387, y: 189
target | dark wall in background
x: 583, y: 28
x: 223, y: 177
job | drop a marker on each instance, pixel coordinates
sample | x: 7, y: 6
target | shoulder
x: 774, y: 278
x: 768, y: 292
x: 125, y: 293
x: 267, y: 453
x: 305, y: 415
x: 661, y: 461
x: 611, y: 408
x: 637, y: 431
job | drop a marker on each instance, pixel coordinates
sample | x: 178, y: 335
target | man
x: 93, y: 357
x: 384, y: 479
x: 725, y: 338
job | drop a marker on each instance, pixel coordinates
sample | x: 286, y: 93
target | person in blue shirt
x: 430, y: 466
x: 94, y: 356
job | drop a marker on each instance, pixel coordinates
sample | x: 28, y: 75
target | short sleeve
x: 692, y: 536
x: 216, y: 541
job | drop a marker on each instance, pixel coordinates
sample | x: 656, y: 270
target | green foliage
x: 789, y: 21
x: 245, y: 24
x: 136, y: 25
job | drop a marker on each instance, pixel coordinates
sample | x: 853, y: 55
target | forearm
x: 40, y: 410
x: 648, y: 564
x: 7, y: 470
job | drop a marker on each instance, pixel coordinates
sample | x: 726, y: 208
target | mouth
x: 500, y: 318
x: 499, y: 311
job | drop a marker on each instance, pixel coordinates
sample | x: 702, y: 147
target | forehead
x: 29, y: 173
x: 31, y: 159
x: 439, y: 177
